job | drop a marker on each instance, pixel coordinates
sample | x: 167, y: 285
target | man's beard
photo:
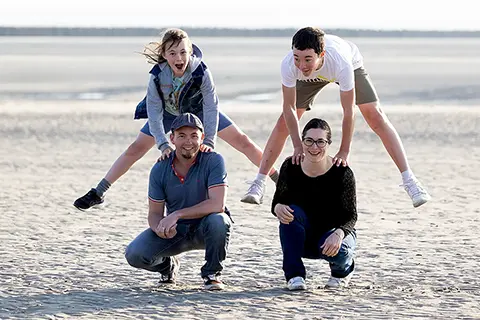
x: 189, y: 154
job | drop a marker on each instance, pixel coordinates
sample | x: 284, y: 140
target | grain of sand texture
x: 57, y: 262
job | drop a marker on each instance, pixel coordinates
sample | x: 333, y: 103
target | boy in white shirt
x: 316, y: 60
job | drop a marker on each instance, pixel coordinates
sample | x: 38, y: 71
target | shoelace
x: 413, y: 187
x: 256, y: 185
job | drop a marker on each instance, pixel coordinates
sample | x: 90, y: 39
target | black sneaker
x: 213, y: 282
x: 171, y: 276
x: 89, y: 200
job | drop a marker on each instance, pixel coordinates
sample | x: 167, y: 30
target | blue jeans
x: 299, y: 240
x: 212, y: 233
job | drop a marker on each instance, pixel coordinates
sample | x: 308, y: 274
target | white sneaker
x: 336, y: 283
x: 416, y: 191
x: 296, y: 283
x: 255, y: 193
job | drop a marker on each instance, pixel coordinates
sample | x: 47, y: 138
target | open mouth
x: 179, y: 66
x: 314, y: 153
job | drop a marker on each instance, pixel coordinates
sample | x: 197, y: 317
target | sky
x: 360, y: 14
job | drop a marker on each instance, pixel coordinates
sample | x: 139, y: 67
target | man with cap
x: 187, y: 195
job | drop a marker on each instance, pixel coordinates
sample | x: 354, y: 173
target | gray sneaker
x: 255, y: 193
x: 296, y: 283
x: 338, y: 283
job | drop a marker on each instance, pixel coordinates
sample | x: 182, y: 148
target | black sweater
x: 329, y: 200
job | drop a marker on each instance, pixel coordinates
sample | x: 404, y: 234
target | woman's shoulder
x: 343, y: 171
x: 287, y: 164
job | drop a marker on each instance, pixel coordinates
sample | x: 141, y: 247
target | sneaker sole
x: 214, y: 287
x: 251, y: 200
x: 298, y: 288
x: 420, y: 202
x: 97, y: 206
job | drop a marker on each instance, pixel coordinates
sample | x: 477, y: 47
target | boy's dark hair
x: 309, y: 38
x: 317, y: 123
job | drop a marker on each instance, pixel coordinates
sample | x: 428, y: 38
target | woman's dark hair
x: 317, y: 123
x: 309, y: 38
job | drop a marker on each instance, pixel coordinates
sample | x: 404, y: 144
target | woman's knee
x: 344, y: 255
x: 298, y: 212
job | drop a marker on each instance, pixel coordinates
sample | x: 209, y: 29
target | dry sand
x: 58, y: 262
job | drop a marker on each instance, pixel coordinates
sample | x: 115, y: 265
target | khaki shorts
x: 364, y: 90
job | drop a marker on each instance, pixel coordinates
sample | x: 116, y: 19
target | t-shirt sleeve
x: 289, y: 78
x: 346, y: 78
x: 217, y: 173
x: 156, y: 190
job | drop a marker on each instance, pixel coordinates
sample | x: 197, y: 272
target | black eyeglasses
x: 321, y: 143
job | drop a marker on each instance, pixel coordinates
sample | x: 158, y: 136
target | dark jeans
x: 150, y: 252
x: 299, y: 240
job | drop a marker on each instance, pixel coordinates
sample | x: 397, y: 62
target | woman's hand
x: 332, y: 244
x: 283, y: 213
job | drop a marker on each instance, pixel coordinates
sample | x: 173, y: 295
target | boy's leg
x: 234, y: 136
x: 367, y: 101
x: 306, y: 94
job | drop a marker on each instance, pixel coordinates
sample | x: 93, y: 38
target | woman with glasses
x: 315, y: 203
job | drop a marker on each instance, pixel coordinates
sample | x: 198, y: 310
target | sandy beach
x: 57, y: 262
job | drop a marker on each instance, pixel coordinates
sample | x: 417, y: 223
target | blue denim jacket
x: 197, y: 96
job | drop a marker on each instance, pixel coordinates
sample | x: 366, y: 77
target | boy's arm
x: 347, y: 99
x: 291, y: 119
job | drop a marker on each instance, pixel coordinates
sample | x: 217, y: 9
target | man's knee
x: 217, y: 225
x: 134, y: 257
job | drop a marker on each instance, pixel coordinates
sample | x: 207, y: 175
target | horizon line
x: 242, y: 28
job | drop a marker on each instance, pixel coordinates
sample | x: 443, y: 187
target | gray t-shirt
x: 178, y: 192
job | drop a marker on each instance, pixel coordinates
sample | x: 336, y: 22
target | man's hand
x: 298, y: 155
x: 205, y: 148
x: 167, y: 227
x: 165, y: 154
x: 341, y: 158
x: 283, y: 213
x: 333, y: 243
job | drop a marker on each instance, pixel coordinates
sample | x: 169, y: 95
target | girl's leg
x: 235, y: 137
x: 134, y: 152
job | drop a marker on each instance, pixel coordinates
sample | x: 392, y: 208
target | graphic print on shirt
x: 172, y: 100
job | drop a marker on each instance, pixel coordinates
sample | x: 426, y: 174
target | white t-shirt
x: 340, y: 60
